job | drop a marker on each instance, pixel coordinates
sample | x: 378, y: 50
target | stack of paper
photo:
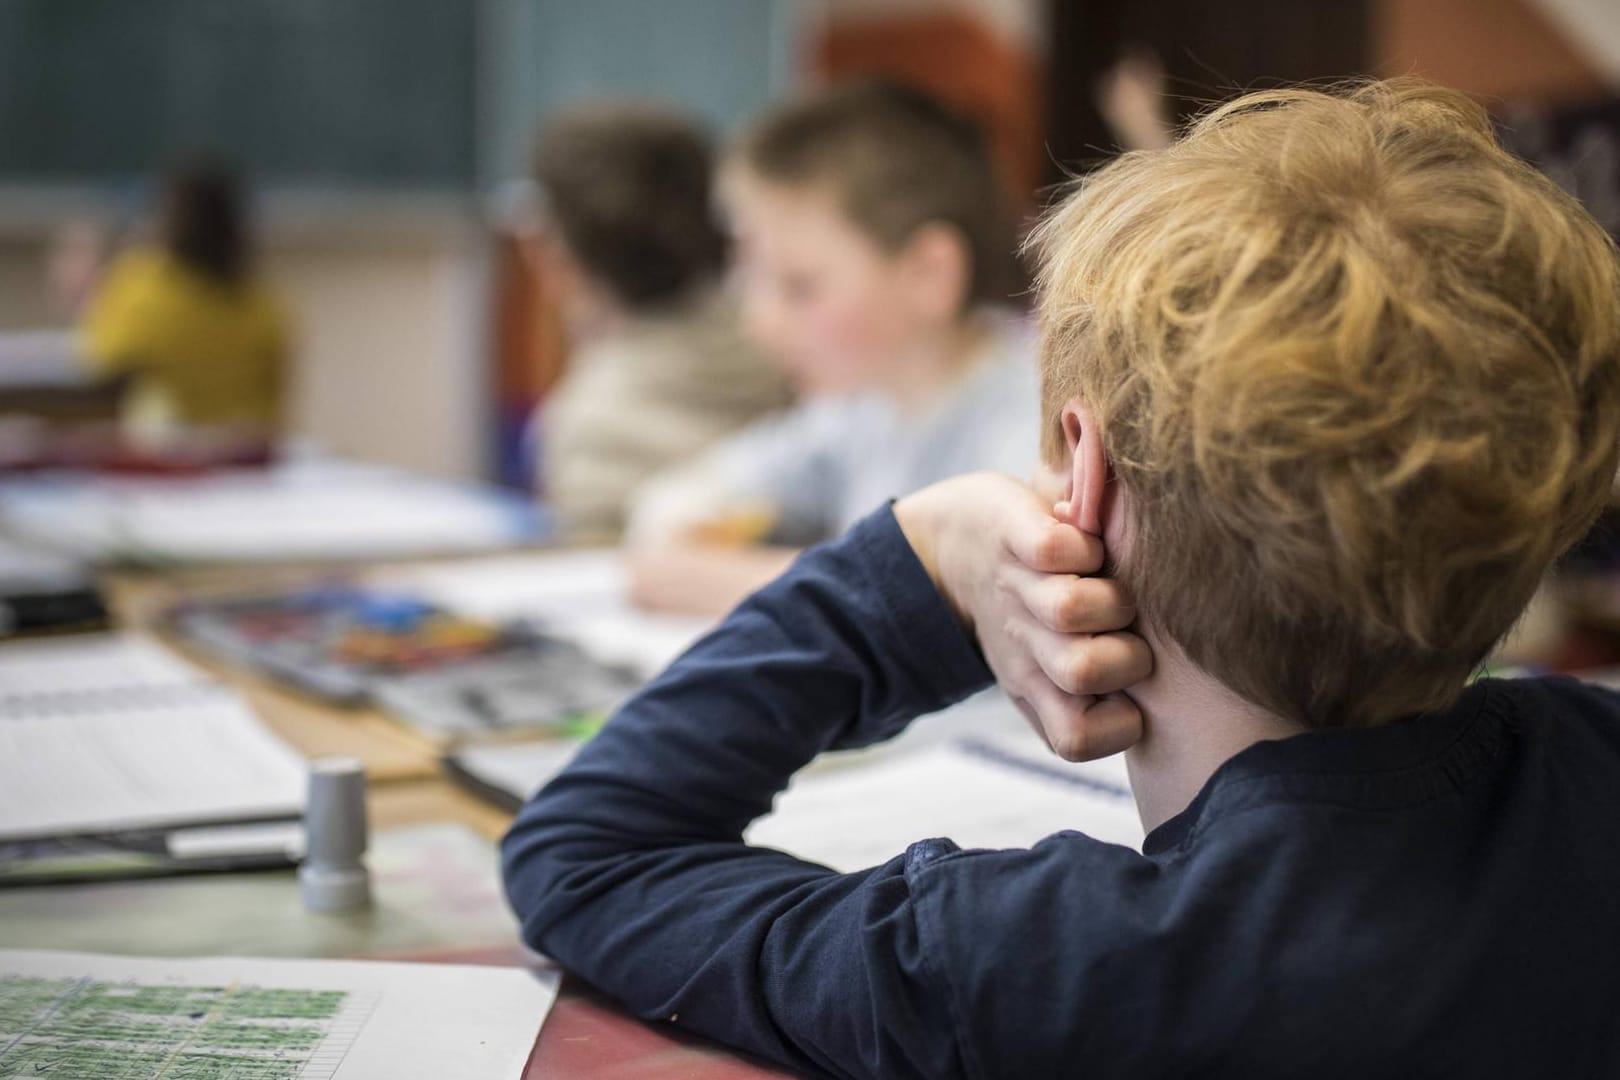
x: 35, y: 673
x: 112, y: 733
x: 34, y: 358
x: 296, y: 511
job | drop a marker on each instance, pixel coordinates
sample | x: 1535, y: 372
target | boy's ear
x: 938, y: 268
x: 1087, y: 469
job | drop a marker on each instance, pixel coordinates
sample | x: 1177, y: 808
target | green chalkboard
x: 345, y: 93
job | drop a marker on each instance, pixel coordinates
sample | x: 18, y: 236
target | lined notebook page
x: 89, y: 664
x: 111, y: 733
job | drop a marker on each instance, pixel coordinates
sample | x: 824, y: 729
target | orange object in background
x: 1497, y: 50
x: 530, y: 354
x: 961, y: 59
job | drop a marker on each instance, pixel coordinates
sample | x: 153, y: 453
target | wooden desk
x: 586, y: 1037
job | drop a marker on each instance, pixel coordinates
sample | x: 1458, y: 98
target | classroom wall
x: 22, y: 286
x: 390, y: 368
x: 723, y: 59
x: 388, y: 302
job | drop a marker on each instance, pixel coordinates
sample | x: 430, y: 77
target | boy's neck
x: 1192, y: 724
x: 927, y: 371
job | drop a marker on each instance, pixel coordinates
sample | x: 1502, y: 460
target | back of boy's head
x: 894, y: 159
x: 1358, y: 370
x: 627, y: 187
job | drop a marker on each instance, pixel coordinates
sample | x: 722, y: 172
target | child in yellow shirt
x: 201, y: 339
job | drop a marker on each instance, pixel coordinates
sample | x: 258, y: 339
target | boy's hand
x: 1020, y: 581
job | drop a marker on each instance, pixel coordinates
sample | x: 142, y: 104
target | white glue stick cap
x: 333, y: 877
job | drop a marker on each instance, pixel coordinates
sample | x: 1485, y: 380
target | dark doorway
x: 1210, y: 51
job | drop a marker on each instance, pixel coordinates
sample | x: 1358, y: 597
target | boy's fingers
x: 1106, y: 726
x: 1089, y: 664
x: 1085, y: 728
x: 1068, y: 604
x: 1041, y: 542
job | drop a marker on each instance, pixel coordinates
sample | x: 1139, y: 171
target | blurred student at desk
x: 201, y: 341
x: 630, y: 250
x: 875, y: 253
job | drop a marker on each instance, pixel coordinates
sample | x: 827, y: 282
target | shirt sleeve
x: 781, y: 468
x: 630, y: 869
x: 109, y: 335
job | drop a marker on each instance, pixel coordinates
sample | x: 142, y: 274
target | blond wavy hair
x: 1358, y: 371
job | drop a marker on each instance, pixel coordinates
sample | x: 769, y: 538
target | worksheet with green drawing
x: 127, y: 1030
x: 75, y: 1015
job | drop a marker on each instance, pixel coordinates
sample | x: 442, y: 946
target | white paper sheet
x: 112, y: 732
x: 87, y: 664
x: 270, y: 1019
x: 37, y: 569
x: 981, y: 793
x: 517, y: 769
x: 187, y: 762
x: 295, y: 511
x: 582, y: 596
x: 44, y: 357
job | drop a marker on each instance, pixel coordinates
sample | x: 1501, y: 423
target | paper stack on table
x: 295, y: 511
x: 112, y: 733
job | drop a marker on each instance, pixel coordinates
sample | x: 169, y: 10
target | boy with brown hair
x: 630, y: 247
x: 1327, y: 385
x: 875, y: 255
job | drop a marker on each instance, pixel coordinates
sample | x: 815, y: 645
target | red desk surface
x: 587, y: 1037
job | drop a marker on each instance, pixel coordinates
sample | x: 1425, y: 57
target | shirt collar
x: 1377, y: 766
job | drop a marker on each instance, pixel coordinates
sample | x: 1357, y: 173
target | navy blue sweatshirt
x: 1437, y: 897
